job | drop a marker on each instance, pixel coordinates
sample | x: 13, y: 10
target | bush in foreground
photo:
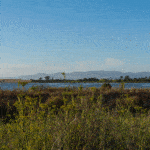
x: 67, y: 118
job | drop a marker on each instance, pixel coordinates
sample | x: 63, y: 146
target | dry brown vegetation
x: 134, y: 97
x: 75, y: 118
x: 14, y: 80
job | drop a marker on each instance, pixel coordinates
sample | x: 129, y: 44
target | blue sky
x: 50, y: 36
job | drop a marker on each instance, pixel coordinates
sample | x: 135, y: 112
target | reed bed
x: 75, y: 118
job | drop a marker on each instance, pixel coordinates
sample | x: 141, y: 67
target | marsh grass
x: 70, y: 118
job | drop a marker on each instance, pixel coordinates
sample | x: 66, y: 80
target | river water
x: 11, y: 86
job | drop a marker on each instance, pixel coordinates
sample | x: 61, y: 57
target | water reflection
x: 11, y: 86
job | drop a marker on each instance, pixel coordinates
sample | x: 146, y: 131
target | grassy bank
x: 13, y: 80
x: 75, y: 118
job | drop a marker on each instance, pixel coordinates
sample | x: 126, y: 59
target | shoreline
x: 13, y: 80
x: 61, y: 81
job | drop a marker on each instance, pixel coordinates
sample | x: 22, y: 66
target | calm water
x: 11, y: 86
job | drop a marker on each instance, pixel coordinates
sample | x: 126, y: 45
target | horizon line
x: 18, y: 77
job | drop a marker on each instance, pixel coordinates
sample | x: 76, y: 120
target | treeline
x: 65, y: 80
x: 126, y: 79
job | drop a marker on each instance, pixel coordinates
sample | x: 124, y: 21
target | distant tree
x: 40, y: 78
x: 31, y: 80
x: 63, y: 73
x: 127, y: 78
x: 47, y: 77
x: 85, y: 79
x: 121, y: 77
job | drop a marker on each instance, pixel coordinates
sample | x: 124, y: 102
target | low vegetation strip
x: 14, y: 80
x: 75, y: 118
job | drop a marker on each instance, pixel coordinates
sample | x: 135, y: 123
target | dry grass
x: 14, y: 80
x: 75, y: 118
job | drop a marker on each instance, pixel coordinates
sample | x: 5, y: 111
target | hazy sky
x: 50, y: 36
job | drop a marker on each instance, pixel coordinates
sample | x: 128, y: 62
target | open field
x: 75, y: 118
x: 14, y: 80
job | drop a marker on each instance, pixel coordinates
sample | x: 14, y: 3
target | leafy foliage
x: 56, y: 118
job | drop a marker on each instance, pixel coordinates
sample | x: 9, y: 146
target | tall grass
x: 82, y: 119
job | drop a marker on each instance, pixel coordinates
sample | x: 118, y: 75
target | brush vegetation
x: 125, y: 79
x: 13, y: 80
x: 75, y: 118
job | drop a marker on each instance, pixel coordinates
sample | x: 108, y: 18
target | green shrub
x: 106, y: 85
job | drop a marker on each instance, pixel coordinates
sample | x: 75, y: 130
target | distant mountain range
x: 89, y: 74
